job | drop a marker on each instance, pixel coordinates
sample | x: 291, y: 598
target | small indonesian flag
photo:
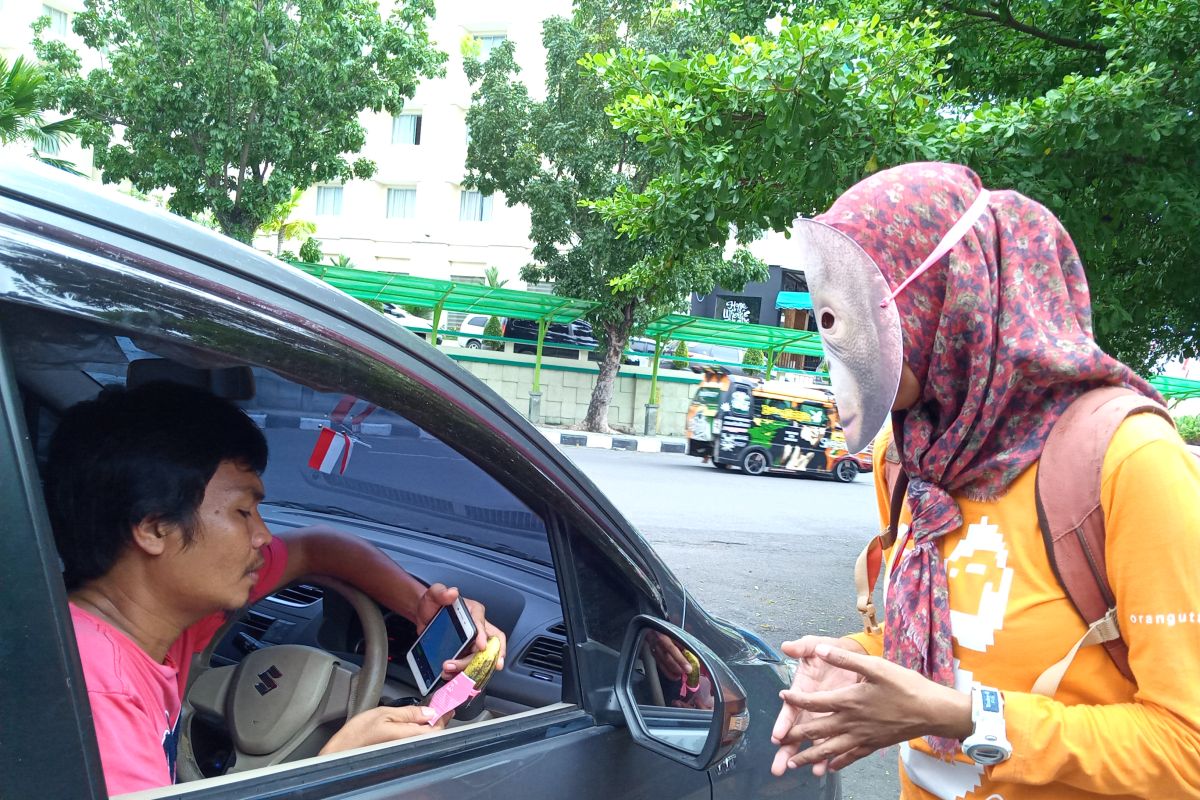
x: 331, y: 452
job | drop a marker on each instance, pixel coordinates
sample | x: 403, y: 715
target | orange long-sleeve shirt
x: 1100, y: 735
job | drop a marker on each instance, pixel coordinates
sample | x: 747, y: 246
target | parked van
x: 772, y: 426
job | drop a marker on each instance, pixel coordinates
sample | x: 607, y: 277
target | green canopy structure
x: 771, y: 340
x: 440, y: 295
x: 1176, y: 388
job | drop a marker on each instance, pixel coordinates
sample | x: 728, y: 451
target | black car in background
x: 576, y: 335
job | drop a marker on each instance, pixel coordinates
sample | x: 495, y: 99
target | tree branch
x: 1005, y: 18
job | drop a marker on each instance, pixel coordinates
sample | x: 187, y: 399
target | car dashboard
x: 520, y: 598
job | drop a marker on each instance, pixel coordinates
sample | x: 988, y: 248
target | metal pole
x: 651, y: 425
x: 537, y: 365
x: 437, y: 317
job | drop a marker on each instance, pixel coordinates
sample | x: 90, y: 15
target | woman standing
x: 965, y: 313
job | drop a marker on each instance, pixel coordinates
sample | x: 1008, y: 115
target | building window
x: 58, y: 20
x: 401, y: 203
x: 489, y: 42
x: 406, y: 129
x: 329, y: 201
x: 541, y: 287
x: 474, y: 207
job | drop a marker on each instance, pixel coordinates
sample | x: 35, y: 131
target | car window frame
x: 134, y: 260
x: 57, y: 744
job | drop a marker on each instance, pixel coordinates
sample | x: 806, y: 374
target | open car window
x: 354, y: 463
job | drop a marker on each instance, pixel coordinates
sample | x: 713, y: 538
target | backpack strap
x: 870, y: 560
x: 1072, y: 519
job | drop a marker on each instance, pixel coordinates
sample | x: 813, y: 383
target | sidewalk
x: 642, y: 444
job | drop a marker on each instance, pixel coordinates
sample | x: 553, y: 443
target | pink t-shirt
x: 135, y: 700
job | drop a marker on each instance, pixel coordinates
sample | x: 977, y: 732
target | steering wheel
x: 273, y: 702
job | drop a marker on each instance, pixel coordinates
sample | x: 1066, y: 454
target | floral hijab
x: 999, y: 336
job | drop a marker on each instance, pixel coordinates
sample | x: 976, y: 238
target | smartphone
x: 446, y: 637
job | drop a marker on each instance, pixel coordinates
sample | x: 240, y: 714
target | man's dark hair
x: 132, y: 454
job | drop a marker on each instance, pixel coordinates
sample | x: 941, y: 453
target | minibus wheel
x: 755, y: 461
x: 846, y: 470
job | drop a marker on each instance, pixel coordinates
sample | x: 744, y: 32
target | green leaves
x: 1087, y: 107
x: 773, y: 124
x: 23, y: 100
x: 233, y: 104
x: 560, y: 154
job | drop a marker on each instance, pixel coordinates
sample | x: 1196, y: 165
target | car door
x: 115, y: 282
x: 46, y: 742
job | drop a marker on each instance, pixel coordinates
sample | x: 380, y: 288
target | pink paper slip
x: 452, y: 695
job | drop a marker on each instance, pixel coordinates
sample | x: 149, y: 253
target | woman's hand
x: 383, y: 724
x: 812, y: 675
x: 439, y: 595
x: 886, y: 704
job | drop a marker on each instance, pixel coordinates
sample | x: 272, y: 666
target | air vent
x: 558, y: 630
x: 545, y: 653
x: 256, y: 624
x: 300, y: 595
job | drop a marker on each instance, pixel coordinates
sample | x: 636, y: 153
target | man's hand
x: 884, y: 705
x: 439, y: 595
x: 383, y: 724
x: 668, y: 656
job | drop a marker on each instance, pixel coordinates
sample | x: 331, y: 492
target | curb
x: 640, y: 444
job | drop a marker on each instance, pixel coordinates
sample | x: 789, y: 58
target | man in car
x: 153, y: 494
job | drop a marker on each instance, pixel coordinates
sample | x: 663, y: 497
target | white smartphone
x: 447, y: 636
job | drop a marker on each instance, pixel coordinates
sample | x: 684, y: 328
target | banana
x: 693, y: 678
x: 482, y: 666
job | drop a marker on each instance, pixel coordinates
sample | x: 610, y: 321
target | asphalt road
x: 774, y: 554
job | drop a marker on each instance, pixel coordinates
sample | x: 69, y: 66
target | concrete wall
x: 567, y: 388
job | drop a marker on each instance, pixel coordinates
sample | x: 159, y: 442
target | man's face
x: 220, y: 567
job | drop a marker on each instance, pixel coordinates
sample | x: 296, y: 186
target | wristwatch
x: 988, y: 744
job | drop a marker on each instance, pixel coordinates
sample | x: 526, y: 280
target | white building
x: 413, y: 216
x: 16, y: 40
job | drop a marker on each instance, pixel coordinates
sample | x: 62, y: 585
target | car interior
x: 439, y: 515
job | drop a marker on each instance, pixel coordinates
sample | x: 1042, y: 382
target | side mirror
x: 678, y: 698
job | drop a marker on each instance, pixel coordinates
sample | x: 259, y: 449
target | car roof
x: 40, y: 185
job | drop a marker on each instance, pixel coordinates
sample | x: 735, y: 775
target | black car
x: 575, y: 335
x: 445, y: 477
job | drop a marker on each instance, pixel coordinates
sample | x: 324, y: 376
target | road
x: 774, y: 554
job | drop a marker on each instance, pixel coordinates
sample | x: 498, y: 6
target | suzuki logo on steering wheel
x: 267, y: 679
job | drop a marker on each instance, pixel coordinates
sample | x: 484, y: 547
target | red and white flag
x: 331, y: 452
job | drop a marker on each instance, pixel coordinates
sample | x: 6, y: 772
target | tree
x: 767, y: 127
x: 23, y: 102
x: 491, y: 276
x: 555, y: 154
x: 1088, y: 107
x: 681, y: 354
x: 754, y: 358
x: 283, y: 227
x: 233, y: 104
x: 310, y: 251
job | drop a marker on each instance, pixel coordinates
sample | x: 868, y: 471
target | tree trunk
x: 618, y: 335
x: 236, y: 224
x: 279, y: 241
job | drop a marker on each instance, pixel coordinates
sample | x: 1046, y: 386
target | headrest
x: 231, y: 383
